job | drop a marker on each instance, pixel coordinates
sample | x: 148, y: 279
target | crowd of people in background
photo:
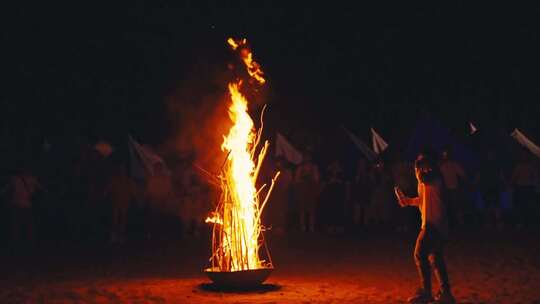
x: 96, y: 199
x: 325, y: 199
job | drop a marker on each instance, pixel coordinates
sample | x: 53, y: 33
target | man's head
x: 446, y: 153
x: 379, y: 163
x: 425, y: 167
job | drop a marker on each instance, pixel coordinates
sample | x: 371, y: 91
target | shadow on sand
x: 263, y: 288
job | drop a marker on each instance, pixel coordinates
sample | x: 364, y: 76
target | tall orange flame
x: 237, y: 219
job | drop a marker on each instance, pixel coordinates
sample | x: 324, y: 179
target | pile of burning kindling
x: 237, y: 234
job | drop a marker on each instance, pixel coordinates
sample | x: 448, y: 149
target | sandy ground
x: 369, y: 268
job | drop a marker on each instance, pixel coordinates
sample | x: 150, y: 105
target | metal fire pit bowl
x: 243, y: 279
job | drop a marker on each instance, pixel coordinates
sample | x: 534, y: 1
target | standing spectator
x: 278, y: 208
x: 403, y: 173
x: 159, y: 197
x: 360, y: 194
x: 454, y: 176
x: 307, y: 192
x: 382, y: 200
x: 96, y: 210
x: 489, y: 182
x: 333, y: 198
x: 523, y: 181
x: 122, y: 191
x: 75, y: 196
x: 199, y: 198
x: 23, y: 185
x: 195, y: 202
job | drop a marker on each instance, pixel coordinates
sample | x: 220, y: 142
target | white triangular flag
x: 285, y: 149
x: 368, y: 153
x: 144, y: 159
x: 379, y: 145
x: 527, y: 143
x: 473, y: 128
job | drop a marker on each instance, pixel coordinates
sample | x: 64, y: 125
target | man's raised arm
x: 404, y: 201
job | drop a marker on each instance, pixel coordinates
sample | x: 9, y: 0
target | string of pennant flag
x: 142, y: 157
x: 286, y: 150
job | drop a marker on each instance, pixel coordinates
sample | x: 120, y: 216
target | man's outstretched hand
x: 400, y: 196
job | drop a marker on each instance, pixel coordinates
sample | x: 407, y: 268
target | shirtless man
x: 432, y: 236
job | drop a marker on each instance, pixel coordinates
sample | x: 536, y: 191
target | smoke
x: 198, y: 110
x: 199, y: 120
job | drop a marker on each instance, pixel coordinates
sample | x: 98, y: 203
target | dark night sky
x: 91, y: 70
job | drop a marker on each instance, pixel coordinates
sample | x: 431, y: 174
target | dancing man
x: 432, y: 237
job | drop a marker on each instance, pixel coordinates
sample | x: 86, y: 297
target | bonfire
x: 237, y: 234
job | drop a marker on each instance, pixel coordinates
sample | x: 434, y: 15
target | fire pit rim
x: 239, y: 279
x: 209, y: 269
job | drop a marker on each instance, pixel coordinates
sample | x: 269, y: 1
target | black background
x: 97, y: 71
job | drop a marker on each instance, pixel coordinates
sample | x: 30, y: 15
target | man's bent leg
x: 423, y: 295
x: 421, y: 254
x: 439, y: 265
